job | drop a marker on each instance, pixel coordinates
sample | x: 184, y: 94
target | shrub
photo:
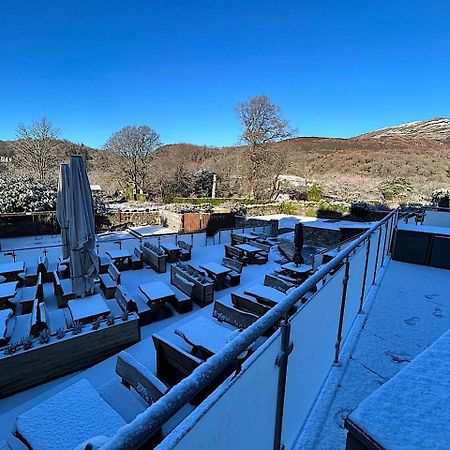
x: 11, y: 348
x: 26, y: 342
x: 77, y: 327
x: 315, y: 193
x: 110, y: 320
x: 288, y: 208
x: 44, y: 336
x: 441, y: 197
x: 96, y: 324
x: 396, y: 188
x: 154, y: 248
x: 60, y: 333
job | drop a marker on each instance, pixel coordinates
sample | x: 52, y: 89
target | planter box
x: 42, y: 363
x: 156, y: 262
x: 202, y: 294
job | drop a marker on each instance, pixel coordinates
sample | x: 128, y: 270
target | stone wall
x: 136, y: 218
x: 321, y: 237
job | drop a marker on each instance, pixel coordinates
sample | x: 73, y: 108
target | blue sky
x: 337, y: 68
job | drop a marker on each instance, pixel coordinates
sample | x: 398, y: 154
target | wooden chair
x: 233, y: 278
x: 183, y: 296
x: 109, y: 281
x: 185, y: 252
x: 274, y: 281
x: 124, y: 299
x: 137, y: 259
x: 229, y: 314
x: 248, y: 304
x: 63, y: 290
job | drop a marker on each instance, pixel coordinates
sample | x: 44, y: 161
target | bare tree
x: 35, y: 149
x: 135, y: 147
x: 262, y: 125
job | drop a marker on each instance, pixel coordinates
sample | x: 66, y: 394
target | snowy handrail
x: 140, y: 430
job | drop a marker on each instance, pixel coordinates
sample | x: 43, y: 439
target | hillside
x: 434, y: 129
x: 350, y: 169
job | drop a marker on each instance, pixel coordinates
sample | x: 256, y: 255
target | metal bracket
x: 282, y: 355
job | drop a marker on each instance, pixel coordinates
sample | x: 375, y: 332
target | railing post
x: 282, y: 363
x: 342, y: 311
x: 388, y: 228
x: 376, y: 258
x: 366, y: 266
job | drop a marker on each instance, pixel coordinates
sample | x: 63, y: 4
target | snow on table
x: 156, y: 290
x: 12, y: 267
x: 68, y: 418
x: 249, y: 248
x: 411, y: 410
x: 215, y: 268
x: 8, y: 290
x: 88, y: 307
x: 206, y: 333
x: 300, y: 269
x: 118, y: 253
x: 424, y: 229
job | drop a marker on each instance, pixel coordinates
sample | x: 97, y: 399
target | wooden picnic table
x: 243, y: 237
x: 250, y: 251
x: 172, y: 250
x: 10, y: 270
x: 88, y: 308
x: 217, y: 272
x: 301, y: 271
x: 157, y: 292
x: 119, y: 255
x: 205, y: 334
x: 265, y: 295
x: 7, y: 291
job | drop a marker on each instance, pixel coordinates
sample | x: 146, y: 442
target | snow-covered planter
x: 154, y: 257
x: 203, y: 289
x: 22, y: 368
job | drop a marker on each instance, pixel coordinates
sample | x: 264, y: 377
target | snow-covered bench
x: 183, y: 294
x: 79, y: 414
x: 275, y: 282
x: 247, y: 303
x: 109, y: 281
x: 137, y: 259
x: 224, y: 312
x: 234, y: 277
x: 5, y: 316
x: 30, y: 294
x: 185, y: 253
x: 63, y: 290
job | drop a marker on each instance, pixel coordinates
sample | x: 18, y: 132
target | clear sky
x: 336, y: 67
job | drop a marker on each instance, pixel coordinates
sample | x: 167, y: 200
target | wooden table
x: 157, y: 292
x: 266, y: 295
x: 243, y: 237
x: 10, y: 270
x: 119, y: 255
x: 206, y: 335
x: 87, y: 309
x: 217, y: 272
x: 172, y: 250
x: 250, y: 251
x: 301, y: 271
x: 7, y: 291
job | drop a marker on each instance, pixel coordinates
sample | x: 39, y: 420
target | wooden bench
x: 30, y: 294
x: 275, y: 282
x: 229, y: 314
x: 249, y: 304
x: 236, y: 253
x: 47, y: 268
x: 124, y: 299
x: 63, y: 290
x: 137, y: 259
x: 103, y: 264
x: 183, y: 297
x: 172, y: 362
x: 31, y: 273
x: 185, y: 253
x: 109, y: 281
x: 233, y: 278
x: 237, y: 239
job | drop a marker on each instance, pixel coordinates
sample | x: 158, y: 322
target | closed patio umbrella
x: 298, y: 243
x: 62, y: 205
x: 84, y: 261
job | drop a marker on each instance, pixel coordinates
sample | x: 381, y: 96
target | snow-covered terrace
x: 403, y: 313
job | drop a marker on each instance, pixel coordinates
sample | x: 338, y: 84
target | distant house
x: 96, y: 188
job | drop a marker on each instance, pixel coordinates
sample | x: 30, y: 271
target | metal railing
x: 268, y: 401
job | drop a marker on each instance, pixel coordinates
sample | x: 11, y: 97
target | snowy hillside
x: 436, y: 129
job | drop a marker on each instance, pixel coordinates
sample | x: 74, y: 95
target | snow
x: 421, y: 393
x: 72, y: 416
x: 406, y: 312
x: 82, y: 308
x: 424, y: 229
x: 207, y: 333
x: 104, y: 373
